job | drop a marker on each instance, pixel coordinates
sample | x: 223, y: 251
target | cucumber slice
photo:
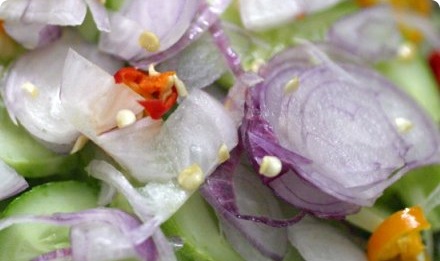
x: 197, y: 226
x: 416, y: 78
x: 28, y: 157
x: 26, y: 241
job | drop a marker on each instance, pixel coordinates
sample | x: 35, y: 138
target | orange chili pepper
x: 423, y: 7
x: 159, y: 91
x: 398, y: 237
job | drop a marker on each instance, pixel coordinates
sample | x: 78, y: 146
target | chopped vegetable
x: 399, y: 237
x: 157, y: 89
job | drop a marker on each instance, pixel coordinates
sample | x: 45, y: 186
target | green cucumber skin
x: 26, y: 241
x: 197, y: 226
x: 28, y: 157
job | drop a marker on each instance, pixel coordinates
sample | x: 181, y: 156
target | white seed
x: 270, y: 166
x: 223, y: 153
x: 125, y: 118
x: 31, y: 89
x: 403, y: 125
x: 256, y: 64
x: 291, y: 85
x: 180, y: 87
x: 149, y: 41
x: 406, y: 51
x: 191, y: 177
x: 152, y: 71
x: 80, y: 142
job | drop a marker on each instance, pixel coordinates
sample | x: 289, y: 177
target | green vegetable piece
x: 27, y: 156
x: 88, y: 29
x: 196, y: 226
x: 26, y: 241
x: 113, y: 5
x: 416, y: 78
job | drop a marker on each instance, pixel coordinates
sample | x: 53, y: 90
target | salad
x: 219, y: 130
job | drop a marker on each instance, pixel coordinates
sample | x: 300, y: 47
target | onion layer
x: 341, y: 131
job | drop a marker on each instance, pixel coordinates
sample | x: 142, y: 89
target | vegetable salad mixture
x: 264, y: 130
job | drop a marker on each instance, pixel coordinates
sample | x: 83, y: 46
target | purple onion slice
x: 207, y: 15
x: 342, y: 132
x: 32, y: 87
x: 259, y: 15
x: 32, y: 35
x: 35, y: 23
x: 353, y: 33
x: 247, y: 210
x: 93, y: 230
x: 166, y: 20
x: 11, y: 182
x: 151, y: 150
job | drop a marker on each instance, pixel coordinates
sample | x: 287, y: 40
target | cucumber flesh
x: 197, y: 227
x: 26, y: 241
x: 415, y: 77
x: 28, y: 157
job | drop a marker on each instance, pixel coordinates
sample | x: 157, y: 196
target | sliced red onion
x: 32, y: 88
x: 198, y: 66
x: 153, y: 204
x: 164, y: 247
x: 342, y: 132
x: 32, y: 35
x: 29, y: 22
x: 95, y: 96
x: 207, y: 15
x: 251, y: 216
x: 318, y: 5
x: 193, y: 134
x: 167, y: 20
x: 149, y: 149
x: 94, y: 230
x: 258, y: 15
x: 232, y: 58
x: 12, y: 183
x: 13, y: 9
x: 263, y: 14
x: 53, y: 12
x: 243, y: 245
x: 63, y: 254
x: 100, y: 15
x: 226, y: 190
x: 355, y: 32
x: 318, y: 241
x: 106, y: 194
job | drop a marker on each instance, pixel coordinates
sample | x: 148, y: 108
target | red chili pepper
x: 434, y: 62
x: 158, y: 90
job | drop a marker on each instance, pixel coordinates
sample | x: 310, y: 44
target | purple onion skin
x: 259, y: 140
x: 333, y: 195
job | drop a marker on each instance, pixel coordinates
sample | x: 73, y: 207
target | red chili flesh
x: 159, y: 95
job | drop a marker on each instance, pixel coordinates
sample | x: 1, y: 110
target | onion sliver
x: 12, y: 183
x: 349, y: 133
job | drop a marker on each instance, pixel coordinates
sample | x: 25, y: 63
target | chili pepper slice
x: 434, y: 63
x: 158, y: 90
x: 398, y: 237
